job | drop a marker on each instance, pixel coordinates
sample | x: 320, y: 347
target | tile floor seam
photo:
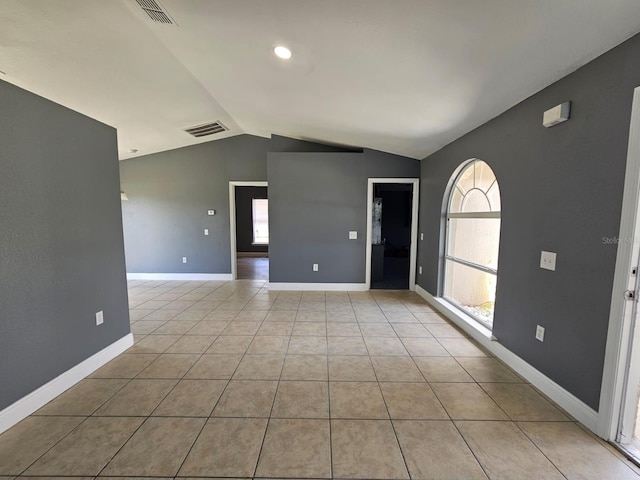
x: 395, y: 433
x: 539, y: 449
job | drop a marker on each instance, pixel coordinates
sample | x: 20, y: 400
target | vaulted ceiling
x: 403, y: 76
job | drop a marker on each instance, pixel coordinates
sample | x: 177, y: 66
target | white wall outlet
x: 420, y: 269
x: 206, y: 231
x: 548, y: 260
x: 184, y: 259
x: 353, y: 235
x: 99, y: 317
x: 211, y: 212
x: 315, y: 267
x: 421, y: 236
x: 539, y: 333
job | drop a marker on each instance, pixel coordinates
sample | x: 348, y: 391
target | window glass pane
x: 466, y: 181
x: 471, y: 289
x: 484, y: 176
x: 260, y: 220
x: 476, y: 201
x: 494, y: 197
x: 475, y: 240
x: 456, y: 201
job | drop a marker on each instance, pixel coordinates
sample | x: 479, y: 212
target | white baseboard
x: 180, y: 276
x: 326, y: 287
x: 573, y: 405
x: 24, y: 407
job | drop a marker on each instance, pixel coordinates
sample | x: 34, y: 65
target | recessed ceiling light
x: 282, y: 52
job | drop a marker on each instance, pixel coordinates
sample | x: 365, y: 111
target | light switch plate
x: 539, y: 333
x: 421, y: 236
x: 548, y: 260
x: 206, y: 231
x: 353, y: 235
x: 315, y: 267
x: 99, y: 317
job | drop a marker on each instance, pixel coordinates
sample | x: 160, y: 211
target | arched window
x: 472, y: 241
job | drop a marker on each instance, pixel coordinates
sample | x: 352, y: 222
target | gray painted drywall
x: 286, y: 144
x: 315, y: 199
x: 61, y: 249
x: 561, y: 191
x: 169, y: 195
x: 244, y: 218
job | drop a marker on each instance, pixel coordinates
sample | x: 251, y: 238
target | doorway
x: 391, y: 233
x: 620, y: 392
x: 249, y: 227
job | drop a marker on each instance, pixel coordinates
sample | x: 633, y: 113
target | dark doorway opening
x: 391, y: 248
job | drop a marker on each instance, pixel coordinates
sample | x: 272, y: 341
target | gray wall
x: 61, y: 248
x: 314, y: 200
x: 561, y: 191
x: 169, y: 195
x: 244, y: 218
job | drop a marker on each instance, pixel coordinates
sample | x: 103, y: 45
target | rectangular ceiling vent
x: 155, y: 11
x: 206, y: 129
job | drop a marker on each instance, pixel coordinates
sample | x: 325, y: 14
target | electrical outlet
x: 211, y: 212
x: 353, y: 235
x: 99, y: 317
x: 420, y: 269
x: 548, y: 260
x: 184, y: 259
x: 539, y: 333
x: 206, y: 231
x: 315, y: 267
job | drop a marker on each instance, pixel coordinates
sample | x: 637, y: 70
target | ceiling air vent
x: 206, y: 129
x: 155, y: 11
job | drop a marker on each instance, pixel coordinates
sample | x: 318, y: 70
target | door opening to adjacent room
x: 391, y: 246
x: 249, y: 230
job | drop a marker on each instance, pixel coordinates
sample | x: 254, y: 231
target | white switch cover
x: 539, y: 333
x: 353, y: 235
x: 548, y: 260
x: 211, y: 212
x: 421, y: 236
x: 99, y: 317
x: 184, y: 259
x: 420, y: 269
x: 206, y: 231
x: 315, y: 267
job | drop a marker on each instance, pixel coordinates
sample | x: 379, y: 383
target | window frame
x: 447, y: 216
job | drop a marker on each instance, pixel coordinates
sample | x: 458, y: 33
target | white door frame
x: 622, y: 312
x: 232, y: 219
x: 413, y: 255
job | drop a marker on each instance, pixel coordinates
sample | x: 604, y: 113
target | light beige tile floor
x: 227, y: 379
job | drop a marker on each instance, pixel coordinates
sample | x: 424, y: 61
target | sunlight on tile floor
x: 227, y: 379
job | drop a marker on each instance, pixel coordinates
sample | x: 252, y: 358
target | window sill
x: 455, y: 313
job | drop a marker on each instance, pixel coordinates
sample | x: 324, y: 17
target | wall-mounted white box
x: 353, y: 235
x: 548, y: 260
x: 211, y: 212
x: 558, y: 114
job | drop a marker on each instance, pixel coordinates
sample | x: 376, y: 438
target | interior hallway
x: 227, y: 379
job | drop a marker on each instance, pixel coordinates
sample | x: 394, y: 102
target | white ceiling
x: 402, y: 76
